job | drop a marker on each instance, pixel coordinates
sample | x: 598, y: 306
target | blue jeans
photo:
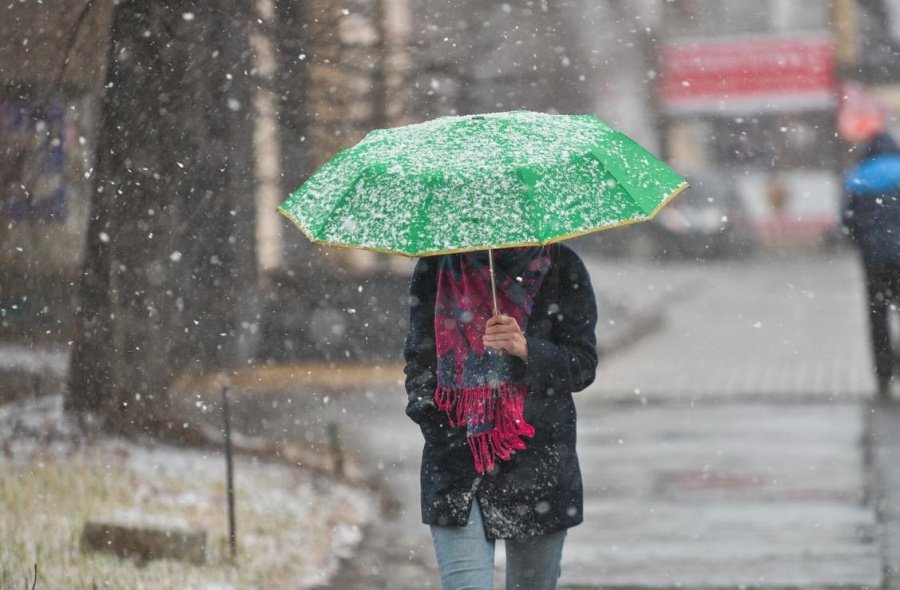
x: 466, y: 557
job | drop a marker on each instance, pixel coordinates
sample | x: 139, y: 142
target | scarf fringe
x: 501, y: 406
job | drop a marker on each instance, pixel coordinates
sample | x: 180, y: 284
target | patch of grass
x: 287, y: 528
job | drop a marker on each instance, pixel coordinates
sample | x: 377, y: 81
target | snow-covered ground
x: 33, y: 360
x: 293, y: 527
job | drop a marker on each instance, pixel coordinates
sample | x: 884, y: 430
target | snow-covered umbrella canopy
x: 458, y: 184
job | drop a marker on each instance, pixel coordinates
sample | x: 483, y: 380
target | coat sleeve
x: 567, y: 362
x: 419, y: 348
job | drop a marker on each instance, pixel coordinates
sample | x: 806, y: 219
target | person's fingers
x: 504, y: 341
x: 498, y: 324
x: 503, y: 334
x: 497, y: 320
x: 498, y: 341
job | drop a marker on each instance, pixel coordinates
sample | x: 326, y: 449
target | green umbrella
x: 458, y: 184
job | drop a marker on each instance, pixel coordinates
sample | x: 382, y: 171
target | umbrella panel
x: 470, y: 183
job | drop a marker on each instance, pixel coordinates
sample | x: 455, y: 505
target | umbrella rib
x: 622, y: 182
x: 626, y: 190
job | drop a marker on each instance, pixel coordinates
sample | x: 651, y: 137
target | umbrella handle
x: 493, y: 281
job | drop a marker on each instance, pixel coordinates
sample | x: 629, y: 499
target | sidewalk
x: 738, y: 457
x: 772, y: 328
x: 723, y: 496
x: 723, y: 450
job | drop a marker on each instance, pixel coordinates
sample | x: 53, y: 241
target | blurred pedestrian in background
x: 492, y: 394
x: 872, y: 217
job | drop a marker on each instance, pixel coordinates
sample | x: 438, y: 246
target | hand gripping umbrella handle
x: 493, y: 281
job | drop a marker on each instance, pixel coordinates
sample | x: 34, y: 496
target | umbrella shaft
x: 493, y: 281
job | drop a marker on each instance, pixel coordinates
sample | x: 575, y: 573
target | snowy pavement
x: 779, y: 328
x: 723, y: 496
x: 727, y: 449
x: 884, y: 444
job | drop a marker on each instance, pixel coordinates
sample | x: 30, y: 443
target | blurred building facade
x: 50, y: 82
x: 752, y: 91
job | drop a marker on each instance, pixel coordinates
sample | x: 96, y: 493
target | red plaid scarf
x: 475, y: 388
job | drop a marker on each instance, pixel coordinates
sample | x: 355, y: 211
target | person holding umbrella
x: 492, y: 393
x: 502, y: 317
x: 871, y: 217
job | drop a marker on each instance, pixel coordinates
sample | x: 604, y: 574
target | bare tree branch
x: 73, y: 39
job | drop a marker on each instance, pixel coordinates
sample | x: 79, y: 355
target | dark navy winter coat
x: 539, y: 490
x: 872, y: 203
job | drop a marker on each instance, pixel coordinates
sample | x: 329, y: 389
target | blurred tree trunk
x: 290, y: 37
x: 293, y: 55
x: 169, y: 279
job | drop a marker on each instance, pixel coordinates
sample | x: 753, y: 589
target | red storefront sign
x: 748, y: 74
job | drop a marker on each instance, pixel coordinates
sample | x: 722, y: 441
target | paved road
x: 728, y: 449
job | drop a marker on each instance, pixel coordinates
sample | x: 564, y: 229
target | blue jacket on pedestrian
x: 871, y: 212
